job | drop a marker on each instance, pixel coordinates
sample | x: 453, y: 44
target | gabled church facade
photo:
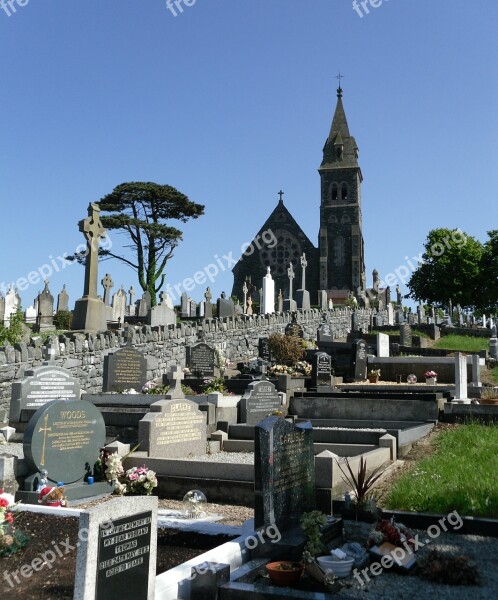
x: 337, y: 265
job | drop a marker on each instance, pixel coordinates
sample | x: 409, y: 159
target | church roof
x: 335, y: 157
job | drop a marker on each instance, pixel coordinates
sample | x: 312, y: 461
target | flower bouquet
x: 430, y: 377
x: 12, y: 538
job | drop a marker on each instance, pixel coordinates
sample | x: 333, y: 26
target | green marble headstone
x: 62, y: 436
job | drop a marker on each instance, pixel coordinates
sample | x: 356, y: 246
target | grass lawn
x: 463, y: 343
x: 460, y: 475
x: 494, y: 374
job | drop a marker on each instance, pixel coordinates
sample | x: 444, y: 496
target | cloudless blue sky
x: 231, y: 101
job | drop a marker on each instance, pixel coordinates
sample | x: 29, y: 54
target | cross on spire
x: 339, y: 89
x: 280, y: 193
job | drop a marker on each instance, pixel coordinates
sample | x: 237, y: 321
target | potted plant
x: 373, y: 375
x: 363, y: 512
x: 430, y: 377
x: 312, y: 524
x: 285, y: 572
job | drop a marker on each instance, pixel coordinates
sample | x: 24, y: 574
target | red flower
x: 4, y: 502
x: 9, y: 517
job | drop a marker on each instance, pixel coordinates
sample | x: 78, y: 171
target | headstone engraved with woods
x: 284, y: 475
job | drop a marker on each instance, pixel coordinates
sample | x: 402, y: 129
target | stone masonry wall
x: 236, y: 338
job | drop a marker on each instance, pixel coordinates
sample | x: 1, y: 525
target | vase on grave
x: 431, y: 380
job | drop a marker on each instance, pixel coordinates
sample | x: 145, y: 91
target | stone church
x: 337, y: 266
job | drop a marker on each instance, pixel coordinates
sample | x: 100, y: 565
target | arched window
x: 334, y: 191
x: 345, y: 219
x: 344, y: 191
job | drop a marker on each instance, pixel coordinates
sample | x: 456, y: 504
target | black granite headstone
x: 405, y: 335
x: 124, y: 369
x: 284, y: 472
x: 225, y: 306
x: 123, y: 556
x: 321, y: 369
x: 200, y: 359
x: 360, y: 360
x: 42, y: 385
x: 260, y: 400
x: 61, y: 437
x: 264, y: 349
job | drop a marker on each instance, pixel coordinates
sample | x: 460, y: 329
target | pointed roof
x: 339, y: 136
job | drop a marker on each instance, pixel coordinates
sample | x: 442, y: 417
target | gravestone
x: 201, y: 309
x: 405, y: 335
x: 264, y: 349
x: 161, y: 314
x: 61, y: 437
x: 107, y: 284
x: 119, y: 306
x: 322, y: 300
x: 382, y: 345
x: 63, y: 299
x: 302, y: 295
x: 117, y: 550
x: 321, y: 369
x: 268, y: 294
x: 294, y: 329
x: 89, y: 311
x: 124, y: 369
x: 390, y: 314
x: 174, y: 428
x: 259, y: 400
x: 30, y: 315
x: 324, y: 333
x: 45, y: 317
x: 200, y: 359
x: 399, y: 316
x: 208, y: 311
x: 144, y: 305
x: 284, y: 472
x: 12, y: 303
x: 192, y: 308
x: 280, y: 302
x: 290, y: 305
x: 360, y: 360
x: 461, y: 395
x: 41, y: 385
x: 493, y: 348
x: 225, y: 306
x: 184, y: 305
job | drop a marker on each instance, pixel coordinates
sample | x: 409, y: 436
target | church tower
x: 340, y: 241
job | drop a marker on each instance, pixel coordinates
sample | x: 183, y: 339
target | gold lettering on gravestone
x: 181, y: 425
x: 127, y: 367
x: 74, y: 432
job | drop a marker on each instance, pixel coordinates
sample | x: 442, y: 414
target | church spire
x: 340, y: 149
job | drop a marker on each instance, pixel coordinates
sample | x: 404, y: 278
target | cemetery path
x: 59, y: 535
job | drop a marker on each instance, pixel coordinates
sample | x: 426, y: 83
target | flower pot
x: 431, y: 381
x: 285, y: 572
x: 340, y: 568
x: 373, y: 378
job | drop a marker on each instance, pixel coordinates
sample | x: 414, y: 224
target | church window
x: 344, y: 191
x: 334, y: 191
x: 345, y: 219
x: 339, y: 251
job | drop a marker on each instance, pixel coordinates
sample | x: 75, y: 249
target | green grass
x: 463, y: 343
x: 494, y: 374
x: 460, y: 475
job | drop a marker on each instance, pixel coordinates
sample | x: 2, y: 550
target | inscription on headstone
x: 382, y: 345
x: 200, y: 359
x: 124, y: 369
x: 360, y: 362
x: 173, y: 429
x: 259, y: 401
x: 284, y: 472
x: 324, y: 333
x: 405, y: 335
x: 321, y: 369
x: 117, y: 550
x: 41, y: 385
x: 62, y: 436
x: 264, y: 349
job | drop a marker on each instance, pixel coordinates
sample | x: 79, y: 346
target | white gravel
x: 482, y: 550
x: 246, y: 458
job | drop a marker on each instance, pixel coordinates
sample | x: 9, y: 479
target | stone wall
x: 237, y: 338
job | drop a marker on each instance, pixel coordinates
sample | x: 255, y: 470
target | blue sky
x: 231, y: 101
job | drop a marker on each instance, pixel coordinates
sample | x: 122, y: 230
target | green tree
x: 488, y: 291
x: 141, y: 211
x: 450, y: 269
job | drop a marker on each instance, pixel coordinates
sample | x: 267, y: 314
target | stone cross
x: 175, y: 377
x: 108, y: 284
x: 280, y: 193
x: 131, y: 292
x: 260, y: 300
x: 93, y: 231
x: 304, y: 264
x: 291, y: 275
x: 244, y: 291
x: 208, y: 295
x: 249, y: 306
